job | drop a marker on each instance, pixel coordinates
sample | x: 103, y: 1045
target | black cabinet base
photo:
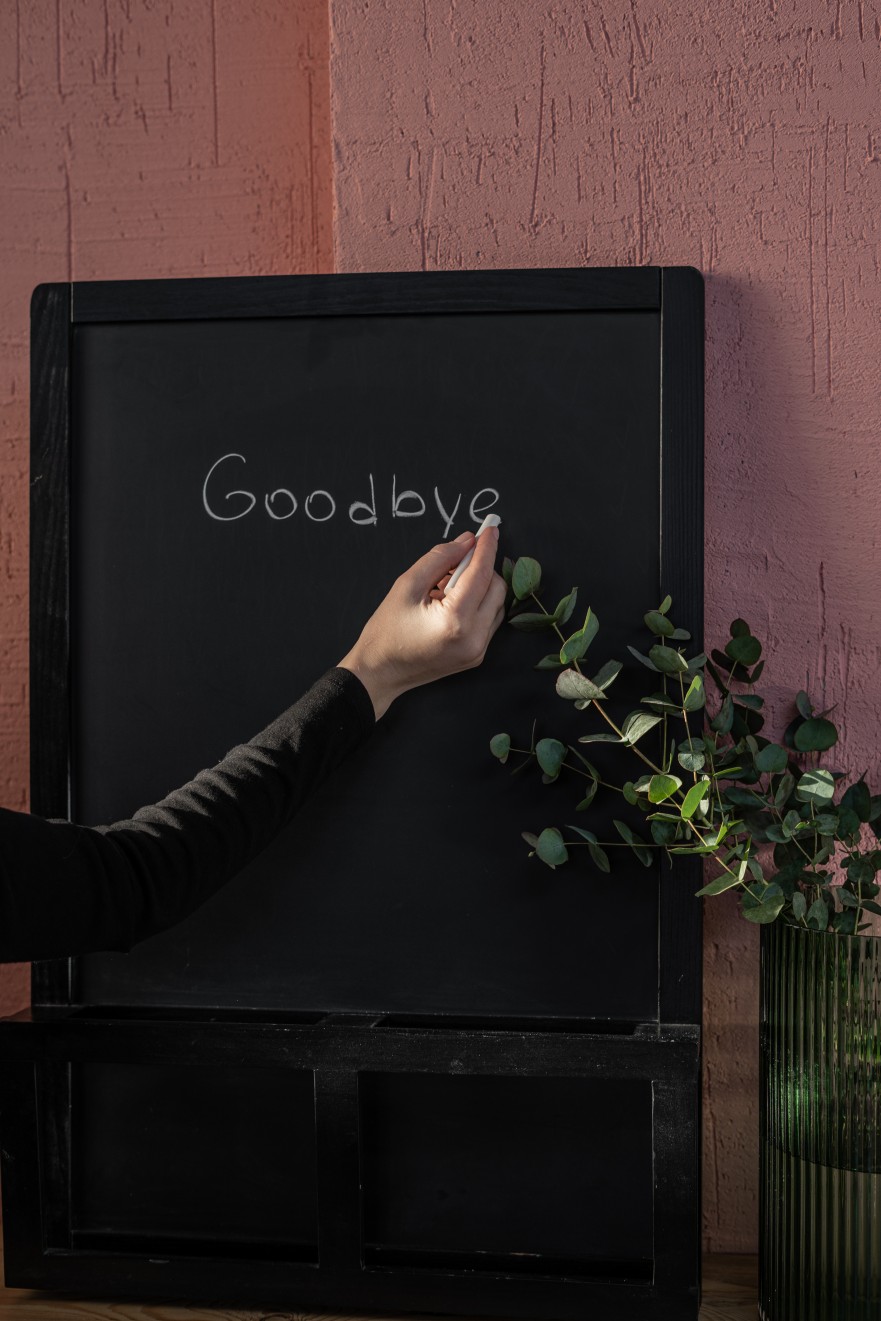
x: 353, y: 1164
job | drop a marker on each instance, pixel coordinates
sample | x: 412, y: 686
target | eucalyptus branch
x: 807, y: 815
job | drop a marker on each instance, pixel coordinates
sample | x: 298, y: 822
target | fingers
x: 476, y: 578
x: 431, y: 567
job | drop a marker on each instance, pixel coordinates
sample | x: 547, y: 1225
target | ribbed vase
x: 820, y: 1198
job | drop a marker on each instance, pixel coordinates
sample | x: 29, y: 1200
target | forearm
x: 68, y: 889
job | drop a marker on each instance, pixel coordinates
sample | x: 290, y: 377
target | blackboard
x: 358, y: 433
x: 379, y: 1060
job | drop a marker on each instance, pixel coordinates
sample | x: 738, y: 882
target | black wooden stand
x: 351, y: 1064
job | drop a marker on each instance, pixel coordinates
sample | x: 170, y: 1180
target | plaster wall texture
x: 141, y: 140
x: 471, y: 133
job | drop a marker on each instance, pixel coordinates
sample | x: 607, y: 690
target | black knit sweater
x: 67, y: 889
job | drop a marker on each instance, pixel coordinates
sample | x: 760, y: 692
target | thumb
x: 440, y: 560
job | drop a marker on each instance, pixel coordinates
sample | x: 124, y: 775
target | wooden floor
x: 729, y: 1294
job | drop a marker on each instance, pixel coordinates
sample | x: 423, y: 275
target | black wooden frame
x: 38, y: 1049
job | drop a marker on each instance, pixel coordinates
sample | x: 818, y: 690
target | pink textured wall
x: 742, y: 139
x: 141, y: 140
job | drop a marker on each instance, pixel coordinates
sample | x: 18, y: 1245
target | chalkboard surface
x: 244, y: 490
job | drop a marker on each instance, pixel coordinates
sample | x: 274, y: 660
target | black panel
x: 168, y: 1154
x: 404, y: 885
x: 534, y: 1171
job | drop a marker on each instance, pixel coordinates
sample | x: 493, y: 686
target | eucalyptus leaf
x: 659, y: 624
x: 818, y: 915
x: 551, y: 847
x: 803, y: 704
x: 695, y: 698
x: 799, y: 905
x: 815, y: 735
x: 637, y: 724
x: 667, y: 659
x: 693, y: 799
x: 858, y: 799
x: 691, y: 760
x: 744, y: 649
x: 665, y: 605
x: 550, y: 754
x: 551, y: 662
x: 785, y: 786
x: 564, y: 609
x: 662, y: 787
x: 639, y: 847
x: 500, y: 746
x: 815, y: 787
x: 526, y: 577
x: 585, y: 834
x: 599, y: 857
x: 772, y: 759
x: 531, y: 623
x: 590, y: 794
x: 768, y: 906
x: 570, y: 684
x: 507, y: 570
x: 720, y: 884
x: 724, y: 719
x: 644, y: 660
x: 575, y: 646
x: 607, y: 674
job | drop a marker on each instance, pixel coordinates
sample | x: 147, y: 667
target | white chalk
x: 491, y: 520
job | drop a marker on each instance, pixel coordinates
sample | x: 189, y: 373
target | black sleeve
x: 67, y: 889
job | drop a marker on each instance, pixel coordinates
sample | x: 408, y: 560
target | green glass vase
x: 820, y: 1181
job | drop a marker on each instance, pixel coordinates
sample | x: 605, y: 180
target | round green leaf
x: 551, y: 848
x: 526, y: 577
x: 691, y: 760
x: 772, y: 760
x: 662, y: 786
x: 550, y: 753
x: 668, y: 660
x: 745, y: 649
x: 657, y: 623
x: 815, y: 787
x: 500, y: 746
x: 768, y: 906
x: 815, y: 735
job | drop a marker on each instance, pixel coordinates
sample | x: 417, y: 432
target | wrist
x: 381, y: 692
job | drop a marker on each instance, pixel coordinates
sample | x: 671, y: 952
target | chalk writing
x: 226, y: 506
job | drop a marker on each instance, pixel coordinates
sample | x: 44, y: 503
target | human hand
x: 417, y: 634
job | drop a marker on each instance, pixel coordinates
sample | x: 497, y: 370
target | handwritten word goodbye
x: 319, y: 506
